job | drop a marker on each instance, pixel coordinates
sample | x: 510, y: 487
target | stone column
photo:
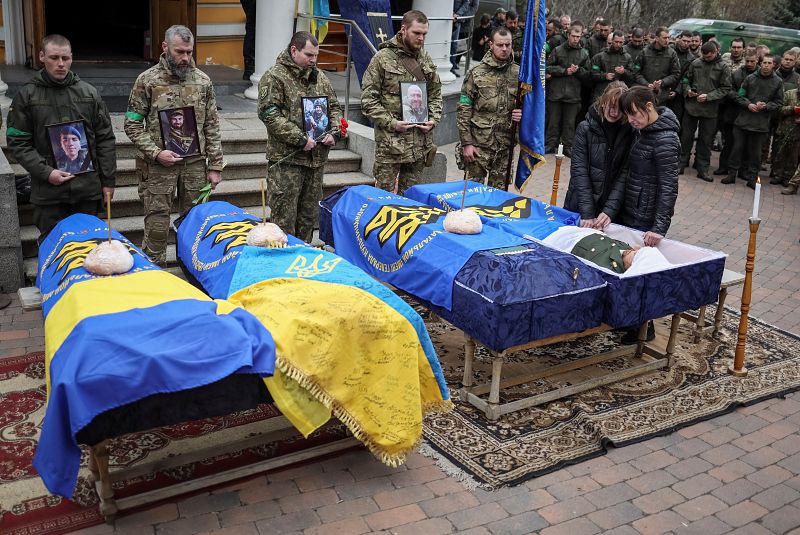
x: 274, y: 23
x: 437, y: 42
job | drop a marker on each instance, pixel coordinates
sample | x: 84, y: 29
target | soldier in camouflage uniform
x: 402, y: 149
x: 485, y: 112
x: 55, y: 95
x: 787, y: 138
x: 175, y: 82
x: 294, y: 186
x: 517, y: 35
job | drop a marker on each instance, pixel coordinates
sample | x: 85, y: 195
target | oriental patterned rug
x: 27, y: 508
x: 537, y: 440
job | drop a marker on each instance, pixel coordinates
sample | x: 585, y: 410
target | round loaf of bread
x: 109, y: 258
x: 267, y: 235
x: 463, y: 222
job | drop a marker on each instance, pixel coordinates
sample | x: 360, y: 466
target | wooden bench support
x: 493, y: 409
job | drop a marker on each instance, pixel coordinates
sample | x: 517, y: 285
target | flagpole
x: 514, y: 125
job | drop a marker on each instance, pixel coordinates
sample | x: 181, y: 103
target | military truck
x: 779, y: 40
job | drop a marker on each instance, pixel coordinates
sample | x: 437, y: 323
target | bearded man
x: 175, y: 82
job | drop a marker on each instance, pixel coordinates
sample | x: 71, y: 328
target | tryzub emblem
x: 400, y: 222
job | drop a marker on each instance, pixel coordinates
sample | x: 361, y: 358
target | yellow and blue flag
x: 345, y: 344
x: 531, y: 76
x: 521, y: 216
x: 403, y: 242
x: 320, y: 8
x: 113, y: 340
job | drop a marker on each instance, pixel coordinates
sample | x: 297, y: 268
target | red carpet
x: 27, y: 508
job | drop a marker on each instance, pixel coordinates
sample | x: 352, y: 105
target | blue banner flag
x: 357, y: 10
x: 531, y: 76
x: 517, y: 215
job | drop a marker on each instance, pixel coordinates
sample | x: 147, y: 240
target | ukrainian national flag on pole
x: 320, y: 8
x: 531, y: 76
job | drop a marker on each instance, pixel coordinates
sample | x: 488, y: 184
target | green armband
x: 595, y: 67
x: 742, y: 92
x: 465, y: 100
x: 133, y: 116
x: 14, y: 132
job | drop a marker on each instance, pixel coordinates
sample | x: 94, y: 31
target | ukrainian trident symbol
x: 305, y: 270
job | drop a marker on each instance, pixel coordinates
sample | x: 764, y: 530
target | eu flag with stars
x: 531, y: 76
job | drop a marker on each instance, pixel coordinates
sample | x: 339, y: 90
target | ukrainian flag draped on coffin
x: 114, y: 340
x: 346, y: 345
x: 531, y: 76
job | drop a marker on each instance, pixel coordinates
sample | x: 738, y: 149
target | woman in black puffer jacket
x: 598, y: 166
x: 654, y: 161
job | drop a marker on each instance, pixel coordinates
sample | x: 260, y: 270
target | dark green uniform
x: 676, y: 102
x: 294, y: 187
x: 399, y: 156
x: 602, y: 250
x: 728, y: 111
x: 635, y: 52
x: 564, y: 95
x: 712, y: 78
x: 484, y: 118
x: 663, y: 64
x: 157, y: 89
x: 596, y: 44
x: 44, y: 101
x: 605, y: 62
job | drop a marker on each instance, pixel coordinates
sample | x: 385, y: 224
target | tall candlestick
x: 757, y: 198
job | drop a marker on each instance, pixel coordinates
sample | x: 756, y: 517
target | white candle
x: 757, y: 198
x: 560, y: 150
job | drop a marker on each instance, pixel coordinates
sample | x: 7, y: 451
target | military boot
x: 731, y: 178
x: 791, y: 189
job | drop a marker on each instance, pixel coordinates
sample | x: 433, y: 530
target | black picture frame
x: 315, y: 126
x: 411, y: 113
x: 70, y: 147
x: 182, y: 137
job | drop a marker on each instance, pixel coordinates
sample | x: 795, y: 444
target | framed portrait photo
x: 70, y: 147
x: 179, y: 131
x: 315, y: 116
x: 415, y: 101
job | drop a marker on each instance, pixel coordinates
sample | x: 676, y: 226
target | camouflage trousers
x: 293, y: 193
x: 158, y: 186
x: 397, y: 177
x: 786, y: 153
x: 490, y: 162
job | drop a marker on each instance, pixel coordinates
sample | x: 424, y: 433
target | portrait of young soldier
x: 56, y: 95
x: 486, y: 111
x: 180, y: 134
x: 71, y: 156
x: 175, y: 82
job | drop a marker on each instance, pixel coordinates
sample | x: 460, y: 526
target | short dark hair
x: 576, y: 24
x: 771, y: 56
x: 511, y: 15
x: 617, y: 33
x: 685, y: 33
x: 556, y: 23
x: 55, y: 39
x: 738, y: 39
x: 696, y: 34
x: 412, y: 16
x: 485, y: 18
x: 501, y: 30
x: 658, y: 31
x: 708, y: 46
x: 636, y: 98
x: 637, y: 32
x: 299, y: 40
x: 600, y: 21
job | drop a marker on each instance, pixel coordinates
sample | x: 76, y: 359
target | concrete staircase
x: 243, y: 142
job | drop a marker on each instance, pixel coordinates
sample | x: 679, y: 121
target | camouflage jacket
x: 789, y: 127
x: 487, y: 98
x: 157, y: 89
x: 381, y: 102
x: 44, y: 101
x: 790, y: 78
x: 517, y: 36
x: 280, y: 108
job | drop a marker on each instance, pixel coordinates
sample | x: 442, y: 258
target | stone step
x: 234, y: 142
x: 127, y: 209
x: 239, y: 166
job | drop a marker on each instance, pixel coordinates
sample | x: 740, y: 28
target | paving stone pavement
x: 738, y: 473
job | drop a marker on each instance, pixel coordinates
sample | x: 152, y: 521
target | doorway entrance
x: 100, y: 30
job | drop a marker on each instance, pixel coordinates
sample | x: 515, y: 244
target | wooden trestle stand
x: 737, y: 368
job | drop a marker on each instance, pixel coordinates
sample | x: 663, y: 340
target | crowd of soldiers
x: 742, y: 102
